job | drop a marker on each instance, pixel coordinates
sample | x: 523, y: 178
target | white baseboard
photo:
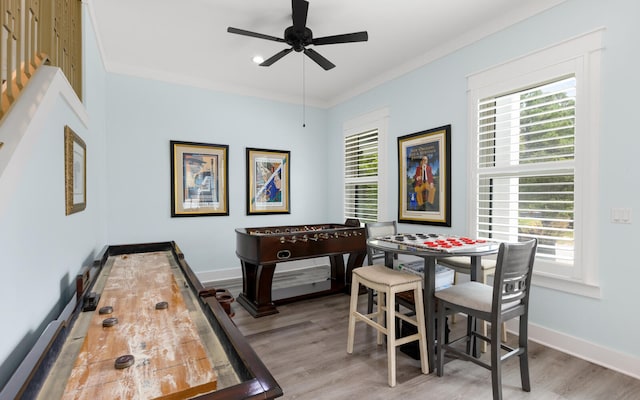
x: 577, y: 347
x: 236, y: 272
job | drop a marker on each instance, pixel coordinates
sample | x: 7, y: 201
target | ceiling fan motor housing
x: 298, y: 39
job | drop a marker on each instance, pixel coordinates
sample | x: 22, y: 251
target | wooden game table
x: 142, y: 327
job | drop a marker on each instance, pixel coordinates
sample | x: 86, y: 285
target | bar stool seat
x: 387, y: 283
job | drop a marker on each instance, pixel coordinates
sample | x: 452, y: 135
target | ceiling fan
x: 298, y: 36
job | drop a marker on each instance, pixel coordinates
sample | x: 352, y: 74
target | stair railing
x: 37, y: 32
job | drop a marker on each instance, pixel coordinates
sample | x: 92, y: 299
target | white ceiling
x: 186, y: 41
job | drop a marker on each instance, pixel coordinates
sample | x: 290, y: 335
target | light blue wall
x: 145, y: 115
x: 435, y: 95
x: 42, y: 249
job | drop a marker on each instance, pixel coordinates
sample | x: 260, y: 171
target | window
x: 361, y: 176
x: 363, y: 159
x: 534, y: 144
x: 526, y: 168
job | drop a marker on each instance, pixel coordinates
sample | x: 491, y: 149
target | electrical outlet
x: 621, y: 215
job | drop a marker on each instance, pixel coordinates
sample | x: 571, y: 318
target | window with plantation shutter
x: 533, y: 160
x: 526, y: 143
x: 361, y: 176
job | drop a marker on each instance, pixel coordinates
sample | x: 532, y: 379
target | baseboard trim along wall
x: 236, y: 272
x: 588, y: 351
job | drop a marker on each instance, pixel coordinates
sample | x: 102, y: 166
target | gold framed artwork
x: 75, y: 172
x: 199, y: 176
x: 268, y: 190
x: 424, y: 163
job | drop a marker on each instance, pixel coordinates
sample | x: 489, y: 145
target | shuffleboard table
x: 142, y: 326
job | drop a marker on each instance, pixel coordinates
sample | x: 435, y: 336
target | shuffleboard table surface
x: 174, y: 356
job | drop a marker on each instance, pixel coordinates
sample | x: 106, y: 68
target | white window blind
x: 525, y: 166
x: 361, y: 176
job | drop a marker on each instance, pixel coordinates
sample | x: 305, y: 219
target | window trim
x: 375, y: 120
x: 581, y: 57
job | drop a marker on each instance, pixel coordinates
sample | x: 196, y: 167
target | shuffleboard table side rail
x: 28, y: 378
x: 257, y: 381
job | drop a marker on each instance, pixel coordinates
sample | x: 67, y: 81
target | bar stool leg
x: 391, y: 335
x: 353, y: 307
x: 422, y: 343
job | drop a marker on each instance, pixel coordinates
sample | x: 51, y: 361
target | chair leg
x: 390, y: 299
x: 523, y: 343
x: 369, y: 301
x: 471, y: 339
x: 504, y: 332
x: 483, y: 346
x: 353, y: 307
x: 496, y: 365
x: 455, y: 282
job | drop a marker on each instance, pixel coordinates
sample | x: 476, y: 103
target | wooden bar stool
x: 388, y: 282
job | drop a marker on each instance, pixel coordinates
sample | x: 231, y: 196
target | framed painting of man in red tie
x: 424, y: 163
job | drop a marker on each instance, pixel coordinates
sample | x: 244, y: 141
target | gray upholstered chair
x: 373, y: 230
x: 508, y: 298
x: 378, y: 229
x: 462, y: 265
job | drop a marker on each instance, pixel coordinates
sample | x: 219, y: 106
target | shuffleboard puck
x: 162, y: 305
x: 124, y: 361
x: 105, y: 310
x: 107, y: 322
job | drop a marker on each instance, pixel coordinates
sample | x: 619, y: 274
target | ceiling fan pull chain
x: 303, y: 94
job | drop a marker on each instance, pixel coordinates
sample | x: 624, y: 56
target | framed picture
x: 424, y: 162
x: 75, y: 172
x: 268, y: 187
x: 199, y: 176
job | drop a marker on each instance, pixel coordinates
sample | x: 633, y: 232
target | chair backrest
x: 514, y: 268
x: 377, y: 229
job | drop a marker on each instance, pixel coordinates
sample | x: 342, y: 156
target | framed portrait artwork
x: 75, y: 172
x: 424, y: 162
x: 199, y: 176
x: 268, y: 190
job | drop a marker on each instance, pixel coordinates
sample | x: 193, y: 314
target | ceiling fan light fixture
x: 258, y: 59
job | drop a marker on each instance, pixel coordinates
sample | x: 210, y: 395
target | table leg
x: 476, y: 271
x: 430, y: 308
x: 256, y: 295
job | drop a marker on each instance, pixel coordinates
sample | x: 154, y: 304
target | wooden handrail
x: 37, y: 32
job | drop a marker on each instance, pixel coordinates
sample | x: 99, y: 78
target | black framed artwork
x: 424, y: 182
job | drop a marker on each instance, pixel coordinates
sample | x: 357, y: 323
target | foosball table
x: 260, y: 249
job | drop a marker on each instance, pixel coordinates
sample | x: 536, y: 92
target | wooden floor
x: 304, y: 347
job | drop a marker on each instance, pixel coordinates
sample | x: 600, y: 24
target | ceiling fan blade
x: 344, y: 38
x: 299, y: 9
x: 320, y: 60
x: 275, y: 58
x: 254, y: 34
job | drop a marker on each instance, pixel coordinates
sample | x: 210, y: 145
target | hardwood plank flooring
x: 304, y: 347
